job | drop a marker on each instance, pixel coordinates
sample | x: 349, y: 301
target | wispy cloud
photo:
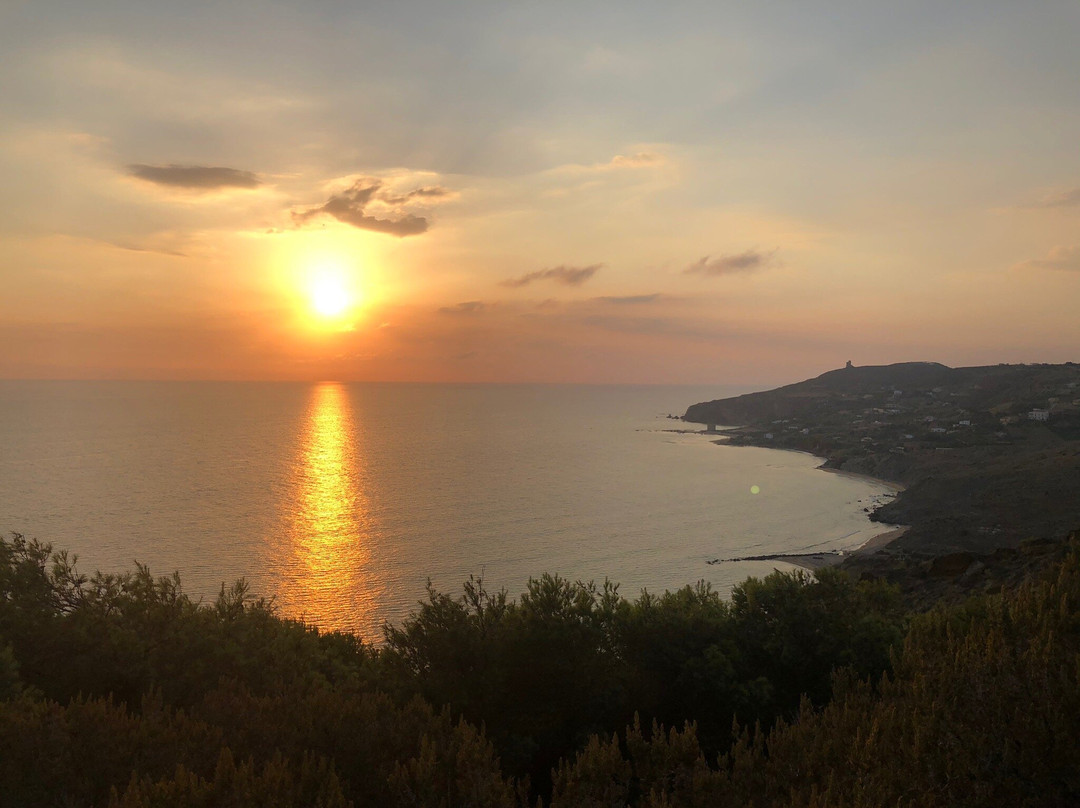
x: 675, y: 327
x: 429, y: 193
x: 629, y: 300
x: 1061, y: 199
x: 351, y: 207
x: 138, y: 248
x: 1061, y: 258
x: 640, y: 159
x: 636, y: 160
x: 569, y: 276
x: 205, y: 178
x: 749, y: 261
x: 468, y: 307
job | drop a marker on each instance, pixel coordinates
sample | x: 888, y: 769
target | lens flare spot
x: 755, y: 489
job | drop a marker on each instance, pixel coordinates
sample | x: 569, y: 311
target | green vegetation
x: 118, y: 690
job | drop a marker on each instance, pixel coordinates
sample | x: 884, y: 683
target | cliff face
x: 980, y: 473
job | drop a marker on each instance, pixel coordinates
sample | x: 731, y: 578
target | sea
x: 344, y: 502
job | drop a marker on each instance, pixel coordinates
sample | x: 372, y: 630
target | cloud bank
x: 206, y: 178
x: 749, y: 261
x: 569, y: 276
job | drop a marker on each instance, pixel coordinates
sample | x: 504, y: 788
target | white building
x: 1039, y: 415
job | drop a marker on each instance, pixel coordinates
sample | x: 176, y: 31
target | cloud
x: 749, y: 261
x: 674, y: 327
x: 206, y: 178
x: 1063, y: 199
x: 137, y: 248
x: 1063, y: 258
x: 629, y: 300
x: 350, y: 207
x: 429, y: 193
x: 641, y: 159
x: 570, y: 276
x: 468, y: 307
x: 637, y: 160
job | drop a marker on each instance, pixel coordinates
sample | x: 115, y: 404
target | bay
x: 340, y: 501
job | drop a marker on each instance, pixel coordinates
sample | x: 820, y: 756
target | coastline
x: 854, y: 475
x: 825, y: 558
x: 725, y: 440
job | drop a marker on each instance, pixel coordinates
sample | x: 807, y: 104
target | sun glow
x: 329, y: 297
x: 327, y: 280
x: 331, y: 293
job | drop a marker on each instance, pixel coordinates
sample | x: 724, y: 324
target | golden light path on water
x: 328, y: 580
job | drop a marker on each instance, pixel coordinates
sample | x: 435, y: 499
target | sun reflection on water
x: 328, y: 580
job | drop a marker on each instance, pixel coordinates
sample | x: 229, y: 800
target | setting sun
x: 329, y: 292
x: 329, y: 297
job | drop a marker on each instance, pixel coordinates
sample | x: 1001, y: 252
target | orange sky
x: 708, y: 193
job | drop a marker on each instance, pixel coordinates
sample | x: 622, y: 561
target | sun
x: 329, y: 295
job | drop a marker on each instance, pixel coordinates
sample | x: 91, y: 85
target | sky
x: 737, y: 193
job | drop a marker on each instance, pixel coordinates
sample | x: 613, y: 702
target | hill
x: 990, y: 456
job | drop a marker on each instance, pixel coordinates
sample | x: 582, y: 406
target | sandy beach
x: 828, y: 558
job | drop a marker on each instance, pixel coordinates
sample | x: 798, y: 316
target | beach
x: 828, y: 558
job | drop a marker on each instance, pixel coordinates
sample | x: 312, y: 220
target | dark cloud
x: 429, y: 193
x: 349, y: 207
x: 1063, y: 258
x: 571, y: 276
x: 1064, y: 199
x: 749, y: 261
x: 629, y: 300
x: 468, y: 307
x: 197, y: 177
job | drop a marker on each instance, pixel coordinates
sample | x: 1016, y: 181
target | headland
x: 987, y: 458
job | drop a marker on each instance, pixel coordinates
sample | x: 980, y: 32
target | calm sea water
x: 341, y: 500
